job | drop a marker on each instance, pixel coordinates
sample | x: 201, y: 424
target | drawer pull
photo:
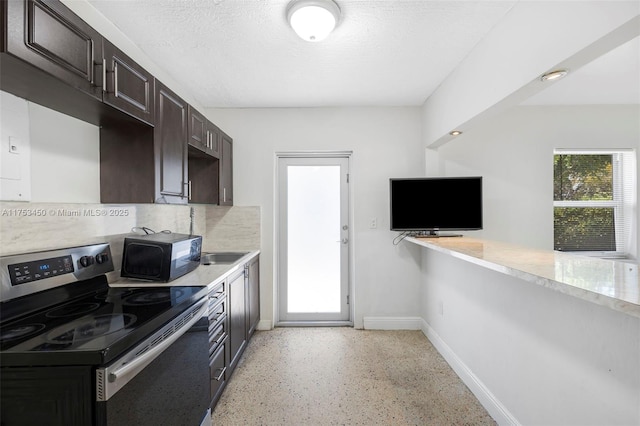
x: 221, y: 338
x: 222, y: 370
x: 217, y: 295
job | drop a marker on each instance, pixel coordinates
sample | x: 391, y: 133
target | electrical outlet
x: 373, y: 223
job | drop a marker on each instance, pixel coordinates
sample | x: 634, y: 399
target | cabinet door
x: 49, y: 36
x: 226, y: 171
x: 253, y: 296
x: 198, y: 136
x: 213, y: 136
x: 127, y: 86
x: 237, y: 318
x: 170, y: 146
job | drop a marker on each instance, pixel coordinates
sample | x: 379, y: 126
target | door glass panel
x: 313, y: 240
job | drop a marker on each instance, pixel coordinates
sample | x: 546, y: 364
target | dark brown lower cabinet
x: 218, y: 371
x: 253, y: 295
x: 237, y: 318
x: 234, y: 311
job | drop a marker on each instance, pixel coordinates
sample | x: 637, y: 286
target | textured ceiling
x: 242, y: 53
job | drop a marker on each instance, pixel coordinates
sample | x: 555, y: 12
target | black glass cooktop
x: 92, y: 329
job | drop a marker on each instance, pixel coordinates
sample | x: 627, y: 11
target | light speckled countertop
x: 605, y: 282
x: 203, y: 275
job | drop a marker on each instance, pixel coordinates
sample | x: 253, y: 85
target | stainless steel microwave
x: 160, y: 256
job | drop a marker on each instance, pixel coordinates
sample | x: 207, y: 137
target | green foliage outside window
x: 582, y: 177
x: 584, y: 229
x: 585, y: 178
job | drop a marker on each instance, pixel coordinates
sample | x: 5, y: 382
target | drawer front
x: 218, y: 372
x: 217, y: 295
x: 217, y: 312
x: 217, y: 334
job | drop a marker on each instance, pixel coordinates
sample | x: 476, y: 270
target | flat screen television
x: 436, y: 203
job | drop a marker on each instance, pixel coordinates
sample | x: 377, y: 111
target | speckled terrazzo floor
x: 343, y: 376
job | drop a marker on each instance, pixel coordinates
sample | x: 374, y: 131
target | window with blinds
x: 594, y: 200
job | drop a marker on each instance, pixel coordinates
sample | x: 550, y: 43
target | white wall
x: 533, y: 356
x: 384, y: 142
x: 514, y: 154
x: 65, y: 157
x: 64, y: 163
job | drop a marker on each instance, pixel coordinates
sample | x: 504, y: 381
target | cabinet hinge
x: 347, y: 299
x: 347, y: 177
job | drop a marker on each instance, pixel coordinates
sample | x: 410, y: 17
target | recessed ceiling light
x: 553, y: 75
x: 455, y: 132
x: 313, y: 20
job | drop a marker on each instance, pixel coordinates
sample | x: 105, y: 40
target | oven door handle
x: 139, y: 363
x: 117, y: 378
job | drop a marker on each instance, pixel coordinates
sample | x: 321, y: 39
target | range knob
x: 102, y: 257
x: 86, y: 261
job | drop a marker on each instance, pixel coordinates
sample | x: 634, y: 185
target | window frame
x: 617, y: 203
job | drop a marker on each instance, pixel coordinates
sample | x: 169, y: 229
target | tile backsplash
x: 29, y: 227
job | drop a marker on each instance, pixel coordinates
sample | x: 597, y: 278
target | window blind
x: 594, y: 201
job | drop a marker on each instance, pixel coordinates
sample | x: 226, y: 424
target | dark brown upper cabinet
x: 226, y: 170
x: 214, y: 135
x: 127, y: 86
x: 149, y: 136
x: 203, y: 134
x: 198, y: 137
x: 170, y: 146
x: 49, y: 36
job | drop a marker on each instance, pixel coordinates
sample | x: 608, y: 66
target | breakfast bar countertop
x: 605, y: 282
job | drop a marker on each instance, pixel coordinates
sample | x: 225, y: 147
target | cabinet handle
x: 224, y: 195
x: 104, y: 75
x: 215, y: 296
x: 186, y: 193
x: 217, y: 379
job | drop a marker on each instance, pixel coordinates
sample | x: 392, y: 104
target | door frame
x: 276, y: 241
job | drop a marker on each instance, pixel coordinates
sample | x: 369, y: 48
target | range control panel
x: 22, y: 273
x: 32, y: 272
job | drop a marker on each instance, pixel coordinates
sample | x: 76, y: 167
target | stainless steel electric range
x: 74, y: 351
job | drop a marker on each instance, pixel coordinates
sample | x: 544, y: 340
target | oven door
x: 167, y: 383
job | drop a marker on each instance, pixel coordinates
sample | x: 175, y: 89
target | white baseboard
x: 392, y: 323
x: 264, y: 325
x: 488, y: 400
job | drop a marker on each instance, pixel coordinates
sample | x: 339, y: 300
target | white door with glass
x: 313, y: 239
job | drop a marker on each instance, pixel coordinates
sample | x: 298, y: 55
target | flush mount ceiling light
x: 455, y: 132
x: 313, y: 20
x: 553, y: 75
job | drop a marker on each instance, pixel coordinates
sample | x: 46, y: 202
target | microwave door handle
x: 129, y: 370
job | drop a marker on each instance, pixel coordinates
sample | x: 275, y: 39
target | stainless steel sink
x: 222, y: 258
